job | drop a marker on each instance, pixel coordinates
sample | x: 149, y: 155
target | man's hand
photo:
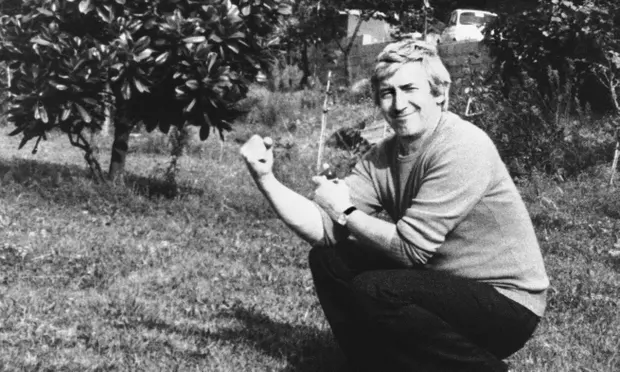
x: 258, y: 155
x: 332, y: 196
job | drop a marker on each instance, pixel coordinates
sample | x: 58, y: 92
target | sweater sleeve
x: 363, y: 195
x: 458, y: 173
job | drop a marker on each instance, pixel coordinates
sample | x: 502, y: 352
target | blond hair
x: 395, y: 55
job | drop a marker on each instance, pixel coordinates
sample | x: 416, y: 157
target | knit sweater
x: 456, y: 210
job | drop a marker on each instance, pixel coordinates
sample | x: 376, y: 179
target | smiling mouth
x: 400, y: 117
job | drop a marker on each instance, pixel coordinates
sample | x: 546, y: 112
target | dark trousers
x: 393, y: 319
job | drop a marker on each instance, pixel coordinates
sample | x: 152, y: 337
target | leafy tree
x: 580, y: 39
x: 168, y: 63
x: 313, y: 23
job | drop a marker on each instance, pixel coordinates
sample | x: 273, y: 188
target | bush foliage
x: 167, y: 63
x: 553, y: 134
x: 580, y: 39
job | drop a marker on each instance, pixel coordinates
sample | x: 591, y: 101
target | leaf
x: 65, y: 113
x: 135, y: 26
x: 224, y: 125
x: 142, y: 43
x: 85, y: 6
x: 211, y: 60
x: 43, y: 113
x: 106, y: 18
x: 122, y: 2
x: 213, y: 103
x: 237, y: 35
x: 161, y: 59
x: 146, y: 53
x: 216, y: 39
x: 150, y: 123
x: 285, y: 9
x: 141, y: 87
x: 192, y: 84
x: 195, y: 39
x: 89, y: 100
x: 150, y: 23
x: 273, y: 41
x: 45, y: 12
x: 234, y: 47
x: 83, y: 113
x: 615, y: 58
x: 23, y: 142
x: 190, y: 106
x: 57, y: 85
x: 40, y: 41
x: 16, y: 131
x: 205, y: 129
x: 126, y: 91
x: 164, y: 126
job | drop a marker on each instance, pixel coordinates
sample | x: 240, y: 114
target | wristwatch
x: 344, y: 216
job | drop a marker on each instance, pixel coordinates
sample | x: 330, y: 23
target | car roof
x: 473, y: 10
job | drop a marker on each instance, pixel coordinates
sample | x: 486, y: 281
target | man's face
x: 407, y: 103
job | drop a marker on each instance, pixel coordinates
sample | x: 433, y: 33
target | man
x: 456, y: 281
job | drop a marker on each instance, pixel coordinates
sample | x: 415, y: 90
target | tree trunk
x: 346, y: 51
x: 122, y: 129
x: 273, y: 76
x: 107, y: 123
x: 347, y: 70
x: 305, y: 66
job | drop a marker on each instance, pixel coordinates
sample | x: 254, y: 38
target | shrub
x: 578, y: 39
x: 553, y: 135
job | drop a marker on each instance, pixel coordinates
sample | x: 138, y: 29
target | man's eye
x: 386, y: 94
x: 410, y: 88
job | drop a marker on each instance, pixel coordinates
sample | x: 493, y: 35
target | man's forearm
x: 378, y: 235
x: 370, y: 231
x: 297, y: 211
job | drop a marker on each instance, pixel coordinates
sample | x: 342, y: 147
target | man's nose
x: 400, y: 102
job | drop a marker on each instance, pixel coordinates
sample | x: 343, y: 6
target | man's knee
x: 369, y: 283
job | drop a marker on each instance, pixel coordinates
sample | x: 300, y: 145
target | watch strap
x: 349, y: 210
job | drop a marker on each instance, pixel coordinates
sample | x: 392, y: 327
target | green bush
x: 578, y: 39
x: 553, y: 135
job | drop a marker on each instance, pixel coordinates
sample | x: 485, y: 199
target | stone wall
x: 460, y: 59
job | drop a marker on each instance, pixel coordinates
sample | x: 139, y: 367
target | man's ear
x: 442, y: 99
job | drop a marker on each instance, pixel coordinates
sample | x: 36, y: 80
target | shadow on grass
x: 46, y: 174
x: 156, y: 188
x: 306, y: 349
x: 50, y: 176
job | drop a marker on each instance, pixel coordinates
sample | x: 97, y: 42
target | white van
x: 466, y: 25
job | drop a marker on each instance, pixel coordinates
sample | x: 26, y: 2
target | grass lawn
x: 105, y: 278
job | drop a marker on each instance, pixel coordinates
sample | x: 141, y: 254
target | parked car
x: 466, y: 25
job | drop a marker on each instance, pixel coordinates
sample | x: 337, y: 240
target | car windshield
x: 475, y: 18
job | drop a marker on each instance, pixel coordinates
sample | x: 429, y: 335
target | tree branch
x: 94, y: 166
